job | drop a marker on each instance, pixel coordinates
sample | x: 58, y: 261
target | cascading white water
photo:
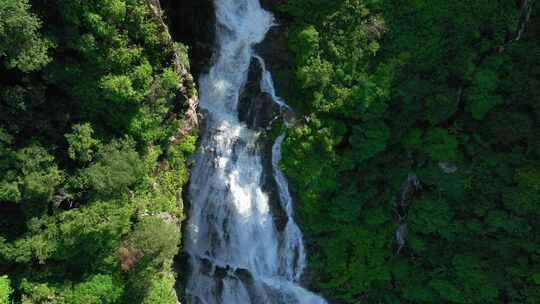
x: 236, y: 253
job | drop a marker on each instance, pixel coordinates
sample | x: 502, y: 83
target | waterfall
x: 236, y: 253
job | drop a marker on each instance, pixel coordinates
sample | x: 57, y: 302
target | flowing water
x: 237, y: 255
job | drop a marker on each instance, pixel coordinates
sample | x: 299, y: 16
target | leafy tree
x: 119, y: 89
x: 370, y: 140
x: 305, y: 43
x: 482, y: 94
x: 38, y: 293
x: 440, y: 144
x: 22, y: 45
x: 117, y: 167
x: 161, y: 290
x: 99, y: 289
x: 82, y: 146
x: 81, y: 239
x: 39, y: 173
x: 9, y: 188
x: 157, y: 239
x: 5, y: 290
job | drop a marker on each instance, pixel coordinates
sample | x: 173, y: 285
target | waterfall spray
x: 236, y: 254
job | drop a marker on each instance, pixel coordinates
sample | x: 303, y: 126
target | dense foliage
x: 416, y: 168
x: 91, y: 158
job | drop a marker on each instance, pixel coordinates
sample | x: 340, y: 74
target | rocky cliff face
x: 274, y: 49
x: 188, y: 86
x: 256, y: 108
x: 189, y: 94
x: 192, y: 22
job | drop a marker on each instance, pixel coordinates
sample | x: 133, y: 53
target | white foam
x: 230, y: 224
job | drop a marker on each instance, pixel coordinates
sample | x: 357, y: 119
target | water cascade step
x: 236, y: 253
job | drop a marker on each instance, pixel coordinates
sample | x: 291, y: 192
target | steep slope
x: 97, y: 121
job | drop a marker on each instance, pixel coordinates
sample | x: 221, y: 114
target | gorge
x: 151, y: 151
x: 236, y: 252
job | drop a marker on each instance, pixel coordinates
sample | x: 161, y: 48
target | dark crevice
x: 193, y: 24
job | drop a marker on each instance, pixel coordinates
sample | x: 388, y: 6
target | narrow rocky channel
x: 242, y: 242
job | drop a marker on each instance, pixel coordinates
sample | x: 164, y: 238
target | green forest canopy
x: 422, y: 122
x: 89, y: 97
x: 416, y: 169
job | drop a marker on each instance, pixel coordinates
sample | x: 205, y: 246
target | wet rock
x: 279, y: 60
x: 411, y: 186
x: 270, y: 187
x: 401, y: 235
x: 256, y: 108
x: 447, y: 167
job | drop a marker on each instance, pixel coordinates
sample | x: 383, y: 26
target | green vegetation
x: 5, y: 290
x: 394, y: 92
x: 90, y: 203
x: 416, y: 167
x: 27, y: 49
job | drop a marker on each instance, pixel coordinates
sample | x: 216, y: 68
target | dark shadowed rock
x: 271, y: 5
x: 193, y: 23
x: 256, y: 108
x: 270, y: 187
x: 278, y: 59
